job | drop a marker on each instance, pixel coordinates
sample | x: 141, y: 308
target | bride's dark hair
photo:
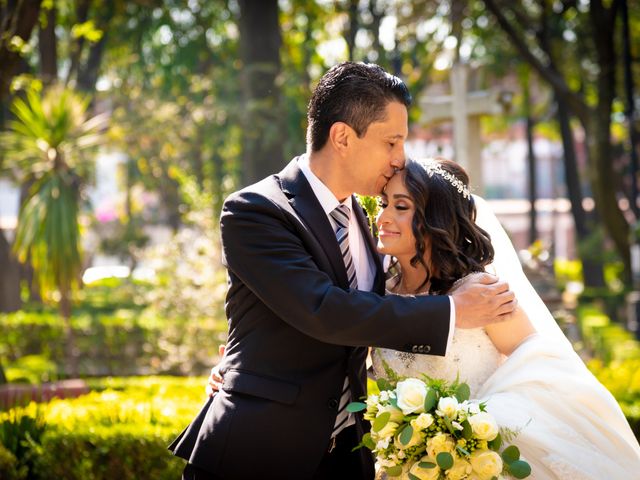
x: 446, y: 218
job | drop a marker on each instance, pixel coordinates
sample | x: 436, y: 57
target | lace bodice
x: 471, y: 355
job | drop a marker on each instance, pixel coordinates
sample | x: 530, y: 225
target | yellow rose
x: 484, y: 426
x: 422, y: 421
x: 440, y: 442
x: 396, y: 414
x: 461, y: 469
x: 385, y: 432
x: 411, y: 394
x: 425, y: 473
x: 486, y: 464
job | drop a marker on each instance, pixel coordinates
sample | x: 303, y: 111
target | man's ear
x: 340, y: 136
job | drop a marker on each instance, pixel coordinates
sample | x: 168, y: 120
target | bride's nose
x: 381, y: 218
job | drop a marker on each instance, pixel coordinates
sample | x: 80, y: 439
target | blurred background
x: 124, y: 124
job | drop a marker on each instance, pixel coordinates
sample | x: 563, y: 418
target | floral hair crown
x: 431, y: 167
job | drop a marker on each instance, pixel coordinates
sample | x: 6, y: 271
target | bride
x: 524, y: 368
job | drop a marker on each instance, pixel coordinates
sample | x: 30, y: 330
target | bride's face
x: 395, y: 235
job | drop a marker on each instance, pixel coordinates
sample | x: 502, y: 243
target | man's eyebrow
x: 397, y: 135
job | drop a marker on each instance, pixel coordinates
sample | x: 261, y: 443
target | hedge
x: 121, y: 431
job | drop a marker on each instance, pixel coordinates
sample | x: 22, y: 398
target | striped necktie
x: 341, y: 216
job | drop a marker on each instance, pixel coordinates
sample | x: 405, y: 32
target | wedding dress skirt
x: 571, y: 427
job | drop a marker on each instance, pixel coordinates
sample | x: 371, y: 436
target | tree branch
x: 556, y: 81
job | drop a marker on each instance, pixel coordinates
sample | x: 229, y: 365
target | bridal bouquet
x: 430, y: 430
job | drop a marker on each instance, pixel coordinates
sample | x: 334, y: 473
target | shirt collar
x: 327, y: 199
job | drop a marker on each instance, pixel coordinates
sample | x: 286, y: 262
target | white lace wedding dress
x: 573, y: 427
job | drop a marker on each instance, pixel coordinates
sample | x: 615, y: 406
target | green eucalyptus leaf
x: 354, y: 407
x: 445, y: 460
x: 510, y: 454
x: 520, y: 469
x: 467, y: 431
x: 406, y: 434
x: 412, y: 476
x: 430, y: 400
x: 394, y: 471
x: 368, y: 442
x: 463, y: 392
x: 496, y: 443
x: 427, y: 465
x: 380, y: 421
x: 383, y: 384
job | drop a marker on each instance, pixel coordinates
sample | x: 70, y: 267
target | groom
x: 306, y: 297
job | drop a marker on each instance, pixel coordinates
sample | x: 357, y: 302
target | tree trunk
x: 82, y: 14
x: 10, y: 300
x: 47, y: 47
x: 16, y: 19
x: 352, y: 29
x: 88, y: 73
x: 598, y: 133
x: 65, y: 313
x: 592, y: 265
x: 531, y: 158
x: 263, y: 118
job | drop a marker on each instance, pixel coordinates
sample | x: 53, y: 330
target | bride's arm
x: 507, y: 335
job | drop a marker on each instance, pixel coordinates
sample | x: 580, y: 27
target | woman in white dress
x: 525, y: 369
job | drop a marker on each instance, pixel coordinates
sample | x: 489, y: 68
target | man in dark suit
x: 305, y: 297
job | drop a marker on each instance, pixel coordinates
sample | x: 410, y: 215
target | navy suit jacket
x: 295, y: 330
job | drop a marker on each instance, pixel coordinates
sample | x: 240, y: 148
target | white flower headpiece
x: 431, y: 167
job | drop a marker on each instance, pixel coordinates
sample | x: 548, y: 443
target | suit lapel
x: 301, y: 197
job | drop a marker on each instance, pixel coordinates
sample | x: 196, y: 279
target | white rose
x: 460, y: 469
x: 422, y: 421
x: 474, y: 408
x: 425, y: 473
x: 440, y: 442
x: 486, y: 464
x: 448, y: 406
x: 384, y: 395
x: 484, y: 426
x: 411, y: 394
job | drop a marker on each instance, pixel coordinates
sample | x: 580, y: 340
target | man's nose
x: 399, y: 160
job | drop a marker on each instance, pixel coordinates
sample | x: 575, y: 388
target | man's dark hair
x: 354, y: 93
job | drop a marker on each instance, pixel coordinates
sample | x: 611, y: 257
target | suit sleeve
x: 262, y: 248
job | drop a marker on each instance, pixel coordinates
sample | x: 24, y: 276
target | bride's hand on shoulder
x: 482, y: 299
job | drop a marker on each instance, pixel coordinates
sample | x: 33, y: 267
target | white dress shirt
x: 365, y: 265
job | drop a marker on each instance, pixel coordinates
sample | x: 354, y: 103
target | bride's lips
x: 386, y: 233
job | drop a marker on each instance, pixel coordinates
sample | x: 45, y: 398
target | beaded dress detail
x: 471, y: 355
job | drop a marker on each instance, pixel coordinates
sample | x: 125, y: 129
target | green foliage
x: 44, y: 145
x: 616, y: 361
x: 9, y: 468
x: 20, y: 434
x: 121, y: 431
x: 32, y: 369
x: 48, y: 233
x: 609, y: 341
